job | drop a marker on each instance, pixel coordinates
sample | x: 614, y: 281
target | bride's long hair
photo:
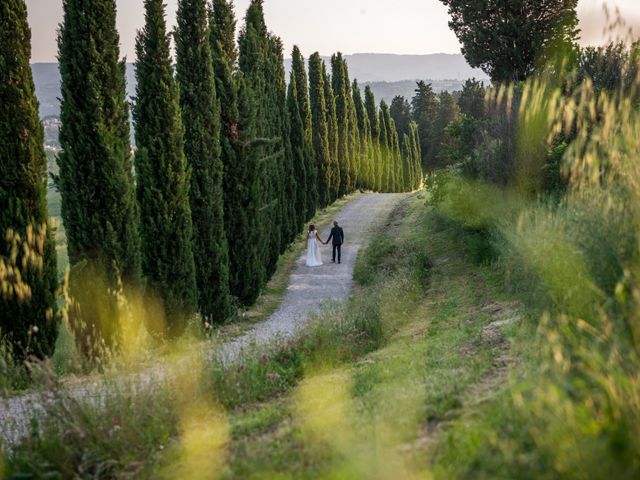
x: 312, y: 228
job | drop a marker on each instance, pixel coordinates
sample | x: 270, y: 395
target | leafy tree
x: 320, y: 130
x: 508, y: 38
x: 400, y: 111
x: 23, y: 192
x: 304, y: 104
x: 162, y: 173
x: 448, y: 111
x: 471, y: 100
x: 201, y: 117
x: 424, y: 109
x: 95, y: 180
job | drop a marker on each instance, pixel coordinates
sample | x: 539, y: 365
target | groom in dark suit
x: 337, y: 237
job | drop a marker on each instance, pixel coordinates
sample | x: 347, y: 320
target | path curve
x: 308, y: 289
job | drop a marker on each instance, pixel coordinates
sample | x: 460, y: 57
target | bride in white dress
x: 314, y: 259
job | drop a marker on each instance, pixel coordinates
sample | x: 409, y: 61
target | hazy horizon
x: 410, y: 27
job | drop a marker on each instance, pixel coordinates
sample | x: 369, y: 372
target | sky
x: 327, y: 26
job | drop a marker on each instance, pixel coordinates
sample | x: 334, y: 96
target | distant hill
x: 388, y: 67
x: 46, y: 77
x: 388, y: 74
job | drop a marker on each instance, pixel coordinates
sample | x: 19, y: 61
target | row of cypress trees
x: 231, y: 161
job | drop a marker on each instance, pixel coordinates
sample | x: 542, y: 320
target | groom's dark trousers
x: 337, y: 237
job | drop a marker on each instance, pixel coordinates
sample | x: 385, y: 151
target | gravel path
x: 309, y: 288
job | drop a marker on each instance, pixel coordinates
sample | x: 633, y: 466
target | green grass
x: 376, y: 392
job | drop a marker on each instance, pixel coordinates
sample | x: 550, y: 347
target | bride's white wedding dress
x: 313, y: 250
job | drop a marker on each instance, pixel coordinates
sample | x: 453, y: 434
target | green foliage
x: 374, y: 123
x: 333, y: 138
x: 366, y: 147
x: 508, y: 39
x: 424, y: 109
x: 304, y: 103
x: 241, y: 187
x: 342, y: 94
x: 96, y: 180
x: 112, y: 438
x: 27, y: 248
x: 201, y: 117
x: 472, y: 99
x: 320, y: 133
x: 163, y: 175
x: 298, y: 142
x: 400, y: 111
x: 447, y: 112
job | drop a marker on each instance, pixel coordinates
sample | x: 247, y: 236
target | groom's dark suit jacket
x: 337, y: 235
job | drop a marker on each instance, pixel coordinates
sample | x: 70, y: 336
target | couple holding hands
x: 314, y: 259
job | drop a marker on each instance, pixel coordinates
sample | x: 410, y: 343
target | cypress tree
x: 279, y: 122
x: 304, y: 104
x: 23, y: 191
x: 241, y: 193
x: 163, y: 178
x: 374, y: 124
x: 416, y: 155
x: 332, y: 134
x: 385, y: 153
x: 95, y: 180
x: 320, y: 130
x: 201, y: 117
x: 364, y: 130
x: 254, y: 64
x: 396, y: 169
x: 298, y: 144
x: 407, y: 164
x: 353, y: 133
x: 341, y: 93
x: 393, y: 147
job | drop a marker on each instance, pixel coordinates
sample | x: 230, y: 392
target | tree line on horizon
x: 230, y: 162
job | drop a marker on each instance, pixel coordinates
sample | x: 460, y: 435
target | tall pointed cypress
x: 374, y: 124
x: 414, y: 137
x: 320, y: 132
x: 298, y: 145
x: 201, y: 118
x: 162, y: 173
x: 407, y: 166
x: 332, y: 134
x: 353, y: 134
x: 23, y: 190
x: 392, y: 149
x: 384, y: 152
x: 96, y: 180
x: 340, y: 93
x: 241, y: 195
x: 304, y: 104
x: 279, y: 122
x: 364, y: 138
x: 254, y: 61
